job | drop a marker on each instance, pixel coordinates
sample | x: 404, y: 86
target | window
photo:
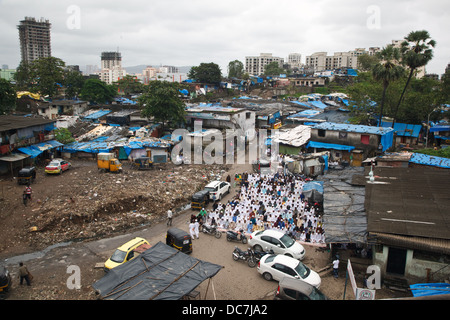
x: 248, y: 115
x: 342, y: 135
x: 321, y: 133
x: 365, y: 139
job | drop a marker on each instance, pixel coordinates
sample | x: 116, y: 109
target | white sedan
x: 277, y: 267
x: 277, y: 241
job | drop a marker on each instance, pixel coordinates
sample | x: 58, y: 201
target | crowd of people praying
x: 273, y: 201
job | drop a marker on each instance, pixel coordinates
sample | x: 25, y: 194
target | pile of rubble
x: 91, y: 204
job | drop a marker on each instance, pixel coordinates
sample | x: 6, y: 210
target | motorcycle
x: 248, y: 256
x: 236, y: 236
x: 259, y: 254
x: 211, y: 230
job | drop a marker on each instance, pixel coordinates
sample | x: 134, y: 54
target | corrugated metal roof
x: 9, y: 122
x: 428, y: 244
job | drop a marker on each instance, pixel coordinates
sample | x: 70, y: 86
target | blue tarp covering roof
x: 322, y: 145
x: 301, y: 104
x: 305, y: 114
x: 387, y: 134
x: 38, y: 148
x: 425, y: 159
x: 404, y: 130
x: 439, y: 128
x: 97, y: 114
x: 429, y: 289
x: 318, y: 104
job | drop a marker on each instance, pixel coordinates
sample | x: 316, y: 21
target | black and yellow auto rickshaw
x: 200, y: 199
x: 5, y: 282
x: 26, y: 175
x: 143, y: 163
x: 179, y: 239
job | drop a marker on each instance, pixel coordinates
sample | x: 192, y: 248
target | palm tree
x: 417, y: 52
x: 387, y: 70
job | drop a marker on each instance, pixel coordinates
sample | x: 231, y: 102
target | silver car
x: 277, y: 241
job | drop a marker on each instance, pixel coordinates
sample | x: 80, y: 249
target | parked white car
x: 277, y: 267
x: 217, y: 189
x: 277, y: 241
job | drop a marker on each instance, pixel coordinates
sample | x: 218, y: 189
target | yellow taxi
x: 126, y: 252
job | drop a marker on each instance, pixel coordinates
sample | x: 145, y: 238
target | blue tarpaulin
x: 305, y: 114
x: 97, y: 114
x: 429, y: 289
x: 403, y: 129
x: 439, y: 128
x: 387, y: 134
x: 425, y: 159
x: 322, y: 145
x: 313, y: 190
x: 38, y: 148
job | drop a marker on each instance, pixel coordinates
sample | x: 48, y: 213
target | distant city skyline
x: 181, y: 33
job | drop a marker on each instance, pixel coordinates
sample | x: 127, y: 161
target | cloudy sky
x: 189, y: 32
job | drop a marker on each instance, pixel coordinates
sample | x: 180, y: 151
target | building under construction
x: 34, y: 39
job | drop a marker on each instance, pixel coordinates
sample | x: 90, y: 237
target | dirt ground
x: 107, y: 210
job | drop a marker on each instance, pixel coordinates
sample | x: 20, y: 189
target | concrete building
x: 320, y: 61
x: 111, y: 67
x: 34, y: 39
x: 255, y: 65
x: 295, y: 60
x: 7, y: 74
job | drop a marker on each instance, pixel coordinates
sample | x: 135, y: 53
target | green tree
x: 273, y: 69
x: 63, y: 135
x: 47, y: 75
x: 364, y: 96
x: 22, y: 77
x: 235, y: 69
x: 366, y: 62
x: 417, y: 52
x: 96, y: 91
x: 7, y: 96
x: 206, y: 73
x: 129, y: 85
x: 162, y: 102
x: 73, y: 81
x: 387, y: 70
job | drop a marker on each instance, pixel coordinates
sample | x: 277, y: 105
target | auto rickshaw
x: 5, y: 282
x: 143, y: 163
x: 26, y: 175
x: 200, y: 199
x: 179, y: 239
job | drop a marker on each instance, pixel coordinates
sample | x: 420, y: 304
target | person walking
x: 192, y: 229
x: 336, y: 267
x: 169, y: 217
x: 196, y: 228
x: 24, y: 274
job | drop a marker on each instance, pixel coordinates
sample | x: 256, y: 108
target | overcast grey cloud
x: 189, y: 32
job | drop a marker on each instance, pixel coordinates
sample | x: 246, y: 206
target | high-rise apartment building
x: 255, y: 65
x: 111, y: 67
x: 295, y: 60
x: 34, y: 39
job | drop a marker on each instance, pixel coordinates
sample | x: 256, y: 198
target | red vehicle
x: 57, y: 166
